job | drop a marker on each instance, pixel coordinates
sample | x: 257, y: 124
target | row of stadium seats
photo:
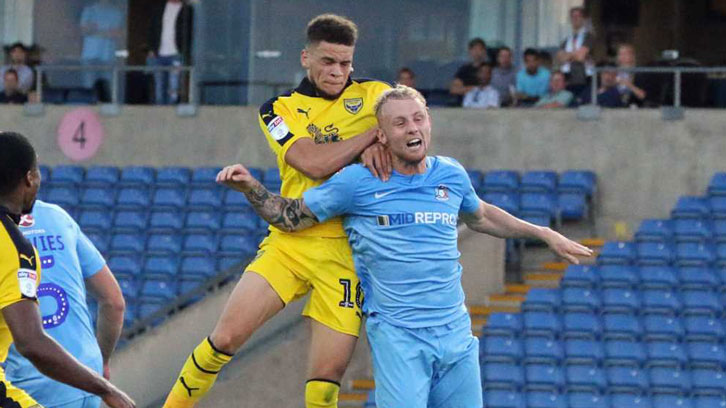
x: 169, y: 221
x: 642, y: 277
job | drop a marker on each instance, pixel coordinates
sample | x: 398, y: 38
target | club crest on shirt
x: 442, y: 192
x: 26, y: 221
x: 353, y: 105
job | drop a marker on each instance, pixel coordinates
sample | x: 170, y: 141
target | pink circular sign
x: 80, y: 134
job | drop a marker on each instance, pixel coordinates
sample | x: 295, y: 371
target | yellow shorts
x: 295, y: 265
x: 13, y: 397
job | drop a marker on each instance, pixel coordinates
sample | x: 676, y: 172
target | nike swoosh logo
x: 383, y: 194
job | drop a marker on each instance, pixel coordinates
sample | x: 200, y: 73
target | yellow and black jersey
x: 19, y: 273
x: 302, y: 113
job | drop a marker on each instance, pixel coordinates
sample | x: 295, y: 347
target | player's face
x: 328, y: 66
x: 406, y: 129
x: 32, y: 183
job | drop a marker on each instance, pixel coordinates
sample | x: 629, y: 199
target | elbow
x: 315, y: 171
x: 28, y: 349
x: 115, y: 306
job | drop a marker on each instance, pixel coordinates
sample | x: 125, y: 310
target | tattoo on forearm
x: 286, y: 214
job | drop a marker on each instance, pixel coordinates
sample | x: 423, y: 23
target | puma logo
x: 306, y: 112
x: 189, y: 389
x: 30, y: 260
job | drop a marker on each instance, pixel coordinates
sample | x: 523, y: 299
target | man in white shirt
x: 483, y: 96
x: 18, y: 63
x: 170, y: 45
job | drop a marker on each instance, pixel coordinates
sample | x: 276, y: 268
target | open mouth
x: 414, y: 143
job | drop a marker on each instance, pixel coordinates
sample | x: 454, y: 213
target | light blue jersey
x: 67, y: 257
x: 404, y: 238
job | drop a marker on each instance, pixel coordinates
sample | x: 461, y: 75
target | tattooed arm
x: 286, y: 214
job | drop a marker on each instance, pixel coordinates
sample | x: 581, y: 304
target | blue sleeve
x: 90, y: 259
x: 334, y: 197
x: 470, y: 202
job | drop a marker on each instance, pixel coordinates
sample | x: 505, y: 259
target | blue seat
x: 719, y: 230
x: 584, y: 352
x: 691, y: 207
x: 670, y: 401
x: 160, y: 243
x: 654, y: 230
x: 129, y: 288
x: 697, y: 278
x: 591, y: 399
x: 205, y: 198
x: 717, y: 185
x: 100, y: 240
x: 624, y: 353
x: 661, y: 301
x: 538, y: 204
x: 476, y: 177
x: 585, y: 378
x: 544, y: 377
x: 579, y: 181
x: 630, y: 401
x: 200, y: 244
x: 618, y: 276
x: 545, y: 399
x: 627, y: 379
x: 502, y: 399
x: 272, y: 174
x: 45, y: 172
x: 584, y: 276
x: 692, y: 230
x: 133, y: 198
x: 98, y: 197
x: 203, y: 221
x: 501, y: 349
x: 66, y: 197
x: 581, y: 325
x: 617, y: 300
x: 543, y: 181
x: 161, y: 266
x: 97, y: 220
x: 655, y: 253
x: 502, y: 376
x: 172, y: 176
x: 165, y: 221
x: 700, y: 302
x: 666, y: 354
x: 130, y: 220
x: 543, y: 351
x: 541, y: 324
x: 169, y: 198
x: 718, y: 206
x: 126, y: 265
x: 501, y: 180
x: 205, y: 176
x: 695, y: 254
x: 615, y: 252
x: 547, y: 300
x: 186, y: 286
x: 572, y: 206
x: 709, y: 401
x: 67, y: 174
x: 149, y: 307
x: 540, y: 219
x: 664, y: 328
x: 507, y: 324
x: 708, y: 382
x: 81, y: 96
x: 234, y: 200
x: 197, y: 268
x: 137, y: 176
x: 102, y: 175
x: 242, y: 222
x: 721, y: 254
x: 157, y: 290
x: 580, y: 300
x: 128, y: 242
x: 657, y: 277
x: 706, y: 355
x: 130, y: 316
x: 240, y: 244
x: 703, y: 328
x: 617, y: 326
x: 507, y: 201
x: 228, y: 262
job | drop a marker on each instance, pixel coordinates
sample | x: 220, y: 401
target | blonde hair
x: 399, y: 92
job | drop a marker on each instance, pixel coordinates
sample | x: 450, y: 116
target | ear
x: 304, y: 58
x: 381, y: 137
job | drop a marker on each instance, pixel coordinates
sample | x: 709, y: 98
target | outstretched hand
x: 236, y: 177
x: 567, y: 248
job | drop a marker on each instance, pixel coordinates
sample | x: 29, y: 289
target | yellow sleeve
x: 281, y: 127
x: 17, y: 282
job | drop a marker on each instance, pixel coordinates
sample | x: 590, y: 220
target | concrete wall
x: 643, y: 162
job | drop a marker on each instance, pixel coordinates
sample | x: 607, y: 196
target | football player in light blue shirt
x: 403, y: 234
x: 70, y: 265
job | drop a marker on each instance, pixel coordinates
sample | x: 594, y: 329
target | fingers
x: 368, y: 161
x: 388, y: 162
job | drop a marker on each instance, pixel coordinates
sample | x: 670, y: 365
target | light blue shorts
x: 88, y: 402
x: 432, y: 367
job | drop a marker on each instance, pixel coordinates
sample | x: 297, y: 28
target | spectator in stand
x: 19, y: 63
x: 12, y: 94
x: 608, y: 95
x: 484, y: 96
x: 504, y: 76
x: 465, y: 78
x: 545, y: 60
x: 407, y: 77
x: 574, y: 54
x: 532, y: 80
x: 558, y: 96
x: 102, y: 24
x: 627, y: 81
x: 170, y: 45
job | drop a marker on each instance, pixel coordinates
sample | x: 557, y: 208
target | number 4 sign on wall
x: 80, y: 134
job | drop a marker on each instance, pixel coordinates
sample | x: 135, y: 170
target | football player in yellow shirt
x: 324, y: 124
x: 20, y: 320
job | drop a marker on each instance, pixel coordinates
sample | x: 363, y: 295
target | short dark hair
x: 332, y: 28
x: 407, y: 70
x: 579, y: 9
x: 607, y: 64
x: 477, y: 41
x: 17, y: 158
x: 12, y: 72
x: 17, y: 45
x: 531, y: 51
x: 504, y: 48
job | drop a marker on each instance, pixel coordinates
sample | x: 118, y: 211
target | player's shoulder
x: 449, y: 163
x: 44, y: 209
x: 14, y: 247
x: 372, y: 85
x: 355, y: 171
x: 268, y: 108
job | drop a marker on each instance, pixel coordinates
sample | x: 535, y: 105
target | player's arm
x: 286, y: 214
x: 492, y: 220
x: 111, y: 306
x: 23, y: 319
